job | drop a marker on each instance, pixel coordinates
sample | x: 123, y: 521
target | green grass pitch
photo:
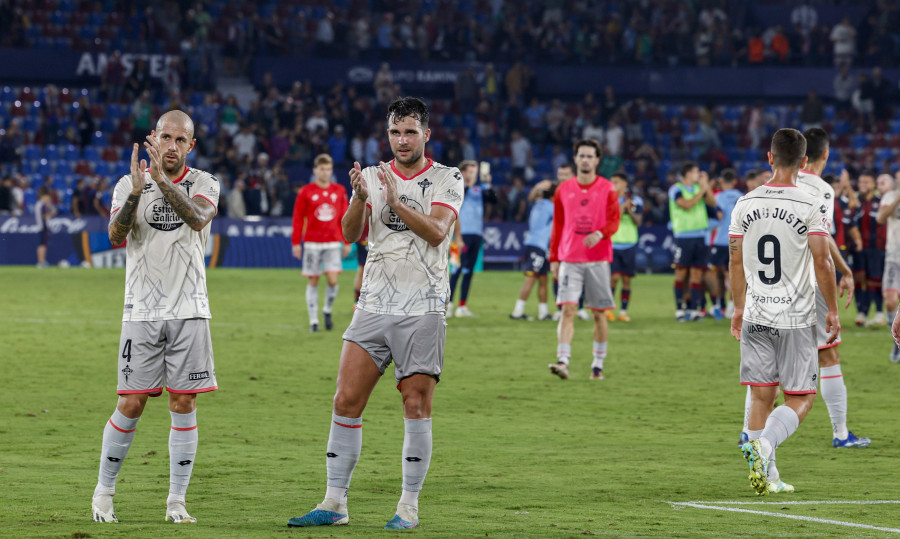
x: 517, y: 452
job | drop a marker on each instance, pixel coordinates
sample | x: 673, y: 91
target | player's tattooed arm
x: 121, y: 223
x: 195, y: 212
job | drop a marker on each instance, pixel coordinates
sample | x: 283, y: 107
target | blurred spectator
x: 114, y: 78
x: 882, y: 92
x: 384, y: 84
x: 520, y: 154
x: 844, y: 86
x: 466, y: 89
x: 337, y: 146
x: 804, y: 17
x: 245, y: 142
x: 6, y: 196
x: 517, y: 195
x: 85, y: 123
x: 864, y: 99
x: 812, y: 112
x: 843, y: 36
x: 141, y: 112
x: 237, y: 209
x: 138, y: 80
x: 615, y: 138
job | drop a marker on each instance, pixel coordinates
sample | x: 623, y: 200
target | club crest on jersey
x: 325, y: 212
x: 424, y: 184
x: 160, y: 215
x: 392, y: 220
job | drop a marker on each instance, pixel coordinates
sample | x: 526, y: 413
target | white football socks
x: 543, y: 310
x: 416, y: 458
x: 330, y: 295
x: 834, y: 393
x: 117, y: 437
x: 782, y: 422
x: 342, y: 454
x: 182, y: 452
x: 563, y: 353
x: 312, y: 304
x: 519, y: 309
x: 599, y: 354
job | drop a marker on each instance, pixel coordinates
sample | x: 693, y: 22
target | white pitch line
x: 781, y: 515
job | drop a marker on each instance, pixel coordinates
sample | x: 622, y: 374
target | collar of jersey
x: 186, y: 169
x: 402, y: 177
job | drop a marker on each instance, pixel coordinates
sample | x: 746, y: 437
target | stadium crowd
x: 647, y: 32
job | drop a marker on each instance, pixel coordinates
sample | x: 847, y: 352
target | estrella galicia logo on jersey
x: 127, y: 371
x: 198, y: 375
x: 184, y: 462
x: 424, y: 184
x: 160, y: 215
x: 392, y: 220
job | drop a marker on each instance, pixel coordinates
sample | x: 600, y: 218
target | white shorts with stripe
x: 172, y: 354
x: 785, y: 357
x: 891, y: 279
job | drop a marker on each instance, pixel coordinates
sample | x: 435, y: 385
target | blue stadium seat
x: 859, y: 141
x: 884, y: 153
x: 32, y: 152
x: 830, y: 112
x: 732, y: 113
x: 895, y: 127
x: 30, y: 200
x: 59, y: 182
x: 841, y: 127
x: 91, y: 153
x: 100, y: 139
x: 72, y: 153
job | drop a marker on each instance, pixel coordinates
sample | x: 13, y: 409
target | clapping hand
x: 137, y: 172
x: 358, y: 182
x: 389, y: 184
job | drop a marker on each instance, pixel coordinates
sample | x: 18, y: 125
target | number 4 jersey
x: 775, y: 222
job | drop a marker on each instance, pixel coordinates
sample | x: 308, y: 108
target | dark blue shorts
x: 623, y: 261
x: 469, y: 256
x: 870, y: 261
x: 362, y: 251
x: 44, y: 237
x: 536, y: 261
x: 691, y: 253
x: 718, y: 256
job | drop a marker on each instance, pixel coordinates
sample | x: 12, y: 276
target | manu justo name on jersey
x: 774, y: 213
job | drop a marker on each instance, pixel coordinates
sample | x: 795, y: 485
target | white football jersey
x: 892, y: 245
x: 775, y: 222
x: 403, y: 273
x: 165, y: 271
x: 823, y: 192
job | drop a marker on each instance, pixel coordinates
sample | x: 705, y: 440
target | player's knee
x: 568, y: 310
x: 347, y: 405
x: 182, y: 403
x: 132, y: 405
x: 416, y: 405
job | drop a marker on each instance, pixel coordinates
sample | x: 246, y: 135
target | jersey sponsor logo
x: 424, y: 184
x: 784, y: 300
x: 198, y: 375
x: 756, y: 328
x: 453, y: 195
x: 392, y: 220
x: 160, y: 215
x: 326, y: 212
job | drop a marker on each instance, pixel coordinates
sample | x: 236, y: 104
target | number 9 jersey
x: 775, y: 222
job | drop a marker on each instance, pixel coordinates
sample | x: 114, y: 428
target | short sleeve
x: 450, y: 191
x: 120, y: 194
x: 674, y: 193
x: 208, y: 188
x: 817, y: 220
x: 734, y: 228
x: 638, y: 204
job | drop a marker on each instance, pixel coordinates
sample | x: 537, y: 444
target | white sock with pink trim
x: 117, y: 437
x: 182, y: 452
x: 834, y: 393
x: 342, y: 454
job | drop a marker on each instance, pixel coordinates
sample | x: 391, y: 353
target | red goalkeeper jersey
x: 318, y: 212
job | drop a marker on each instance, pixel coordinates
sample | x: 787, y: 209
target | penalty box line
x: 707, y: 505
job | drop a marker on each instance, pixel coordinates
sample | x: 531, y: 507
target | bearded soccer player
x: 585, y: 217
x: 317, y: 239
x: 164, y: 213
x: 778, y: 239
x: 410, y: 204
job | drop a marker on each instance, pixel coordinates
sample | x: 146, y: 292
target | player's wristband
x: 598, y: 232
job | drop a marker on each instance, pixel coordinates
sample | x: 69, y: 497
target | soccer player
x: 540, y: 223
x: 889, y: 214
x: 44, y: 210
x: 718, y: 263
x: 688, y: 199
x: 164, y: 213
x: 469, y: 231
x: 869, y: 261
x: 410, y: 205
x: 624, y: 243
x: 585, y: 217
x: 566, y: 171
x: 785, y: 231
x: 317, y: 239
